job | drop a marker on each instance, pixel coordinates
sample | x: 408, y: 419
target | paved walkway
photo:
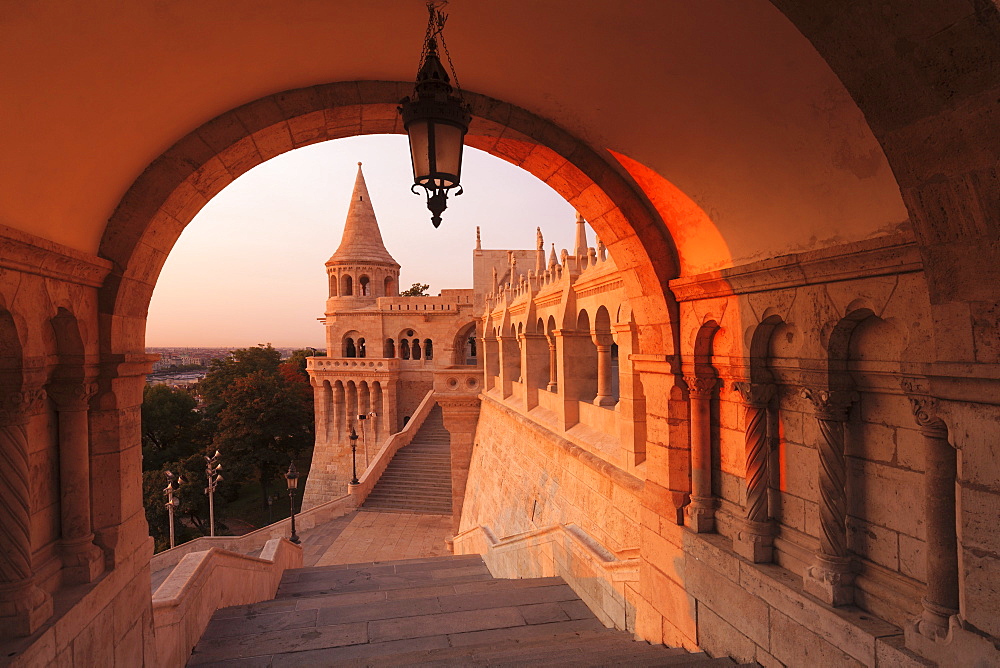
x: 386, y: 536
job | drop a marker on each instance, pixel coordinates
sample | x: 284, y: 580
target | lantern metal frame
x: 436, y: 118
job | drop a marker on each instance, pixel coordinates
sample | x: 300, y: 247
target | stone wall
x: 525, y: 478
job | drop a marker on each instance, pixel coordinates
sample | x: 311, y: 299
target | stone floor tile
x: 252, y: 624
x: 383, y: 610
x: 344, y: 655
x: 542, y: 613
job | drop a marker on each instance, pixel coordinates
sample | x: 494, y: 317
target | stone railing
x: 459, y: 380
x: 595, y: 573
x: 367, y: 480
x: 369, y: 364
x: 208, y: 580
x: 255, y: 540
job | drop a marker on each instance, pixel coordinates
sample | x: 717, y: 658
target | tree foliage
x: 172, y: 426
x: 240, y: 363
x: 416, y: 290
x: 267, y: 420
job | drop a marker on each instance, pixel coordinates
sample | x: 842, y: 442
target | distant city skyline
x: 249, y: 268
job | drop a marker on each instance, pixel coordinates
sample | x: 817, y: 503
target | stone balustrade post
x: 82, y: 560
x: 24, y: 607
x: 460, y: 414
x: 700, y: 512
x: 754, y: 541
x: 553, y: 384
x: 941, y: 601
x: 830, y: 577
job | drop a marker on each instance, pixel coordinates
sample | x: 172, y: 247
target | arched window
x: 415, y: 349
x: 390, y: 348
x: 346, y: 285
x: 361, y: 348
x: 472, y: 347
x: 333, y: 285
x: 428, y: 349
x: 404, y: 349
x: 390, y: 287
x: 364, y: 286
x: 349, y: 349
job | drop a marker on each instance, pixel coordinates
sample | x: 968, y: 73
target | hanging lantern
x: 436, y: 120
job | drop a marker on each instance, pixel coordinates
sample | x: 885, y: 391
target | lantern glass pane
x: 448, y: 154
x: 419, y: 150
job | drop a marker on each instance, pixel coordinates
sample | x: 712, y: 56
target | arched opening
x: 361, y: 348
x: 390, y: 349
x: 334, y: 285
x: 428, y: 349
x: 415, y: 349
x: 583, y: 361
x: 404, y: 349
x: 346, y: 285
x: 389, y: 286
x: 364, y: 286
x: 465, y: 346
x: 350, y: 350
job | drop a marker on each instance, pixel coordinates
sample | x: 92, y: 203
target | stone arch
x: 466, y: 345
x: 389, y: 286
x: 390, y: 348
x: 404, y: 349
x: 334, y: 285
x: 176, y: 185
x: 364, y: 286
x: 428, y: 349
x: 69, y: 347
x: 415, y: 349
x: 346, y: 285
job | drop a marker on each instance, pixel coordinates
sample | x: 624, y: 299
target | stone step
x: 418, y: 612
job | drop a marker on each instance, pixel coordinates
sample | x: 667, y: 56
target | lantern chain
x: 435, y: 29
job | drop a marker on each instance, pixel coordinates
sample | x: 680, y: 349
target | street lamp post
x: 354, y: 456
x: 212, y: 468
x: 292, y: 478
x: 173, y: 500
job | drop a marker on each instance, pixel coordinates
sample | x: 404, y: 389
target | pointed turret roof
x: 362, y: 240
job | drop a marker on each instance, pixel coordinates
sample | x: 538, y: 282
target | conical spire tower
x: 362, y: 239
x: 361, y: 267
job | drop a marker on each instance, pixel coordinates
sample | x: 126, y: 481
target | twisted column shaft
x: 754, y: 541
x: 553, y: 369
x: 830, y: 578
x: 23, y: 606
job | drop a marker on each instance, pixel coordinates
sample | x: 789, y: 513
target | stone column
x: 390, y: 407
x: 24, y: 607
x: 321, y: 406
x: 604, y: 396
x: 82, y: 560
x: 460, y: 415
x: 940, y: 603
x: 830, y: 578
x: 754, y: 539
x: 701, y: 511
x: 568, y: 377
x: 553, y: 365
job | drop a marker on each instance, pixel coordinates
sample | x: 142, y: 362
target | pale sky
x: 250, y: 269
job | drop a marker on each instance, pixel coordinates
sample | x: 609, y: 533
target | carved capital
x: 72, y: 396
x: 701, y: 386
x: 925, y: 408
x: 18, y: 407
x: 755, y: 394
x: 831, y: 404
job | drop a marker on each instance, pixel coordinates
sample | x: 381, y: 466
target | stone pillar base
x: 957, y: 646
x: 449, y: 543
x: 83, y: 562
x: 700, y: 514
x: 23, y: 609
x: 755, y: 542
x: 830, y: 580
x: 605, y: 401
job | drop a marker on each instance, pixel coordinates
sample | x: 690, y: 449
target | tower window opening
x: 428, y: 349
x: 415, y: 349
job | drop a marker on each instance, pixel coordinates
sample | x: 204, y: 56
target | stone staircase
x: 419, y: 612
x: 418, y: 479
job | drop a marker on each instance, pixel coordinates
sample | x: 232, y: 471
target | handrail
x: 208, y: 580
x: 256, y: 540
x: 380, y: 461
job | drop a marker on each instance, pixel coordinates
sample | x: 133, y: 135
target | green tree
x: 172, y: 427
x: 191, y: 516
x: 242, y: 362
x: 298, y: 358
x: 416, y: 290
x: 266, y: 421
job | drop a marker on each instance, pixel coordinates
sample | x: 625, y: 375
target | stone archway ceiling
x: 726, y: 101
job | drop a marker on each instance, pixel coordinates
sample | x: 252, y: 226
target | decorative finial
x: 359, y: 164
x: 538, y: 239
x: 479, y: 242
